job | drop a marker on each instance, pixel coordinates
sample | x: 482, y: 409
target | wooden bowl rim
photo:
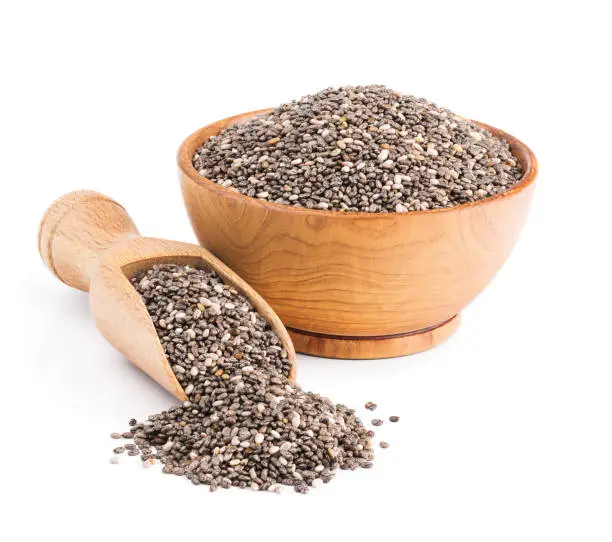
x: 184, y: 159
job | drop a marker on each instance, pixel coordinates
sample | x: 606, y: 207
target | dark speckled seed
x: 244, y: 425
x: 394, y: 419
x: 364, y: 148
x: 376, y: 422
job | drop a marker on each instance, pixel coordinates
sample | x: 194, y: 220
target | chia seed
x: 244, y: 424
x: 364, y: 148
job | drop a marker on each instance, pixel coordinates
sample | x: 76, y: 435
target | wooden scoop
x: 90, y: 243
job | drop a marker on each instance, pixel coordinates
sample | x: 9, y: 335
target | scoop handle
x: 76, y: 229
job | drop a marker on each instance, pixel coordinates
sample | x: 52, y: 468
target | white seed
x: 384, y: 154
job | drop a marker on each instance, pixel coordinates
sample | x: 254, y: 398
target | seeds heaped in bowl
x: 365, y: 149
x: 359, y: 284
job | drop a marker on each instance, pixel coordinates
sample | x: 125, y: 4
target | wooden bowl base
x: 389, y: 346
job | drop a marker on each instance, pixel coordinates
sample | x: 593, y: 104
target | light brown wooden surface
x: 89, y: 242
x: 387, y: 346
x: 356, y: 274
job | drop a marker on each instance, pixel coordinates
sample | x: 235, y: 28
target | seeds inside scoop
x: 363, y: 148
x: 245, y: 424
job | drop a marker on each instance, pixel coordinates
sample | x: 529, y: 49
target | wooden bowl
x: 358, y: 285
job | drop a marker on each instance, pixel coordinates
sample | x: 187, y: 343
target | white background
x: 506, y: 430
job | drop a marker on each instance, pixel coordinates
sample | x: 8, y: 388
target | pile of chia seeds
x: 364, y: 148
x: 245, y: 424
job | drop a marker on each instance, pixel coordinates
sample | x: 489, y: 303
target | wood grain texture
x: 90, y: 242
x: 79, y: 226
x: 357, y: 274
x: 386, y: 346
